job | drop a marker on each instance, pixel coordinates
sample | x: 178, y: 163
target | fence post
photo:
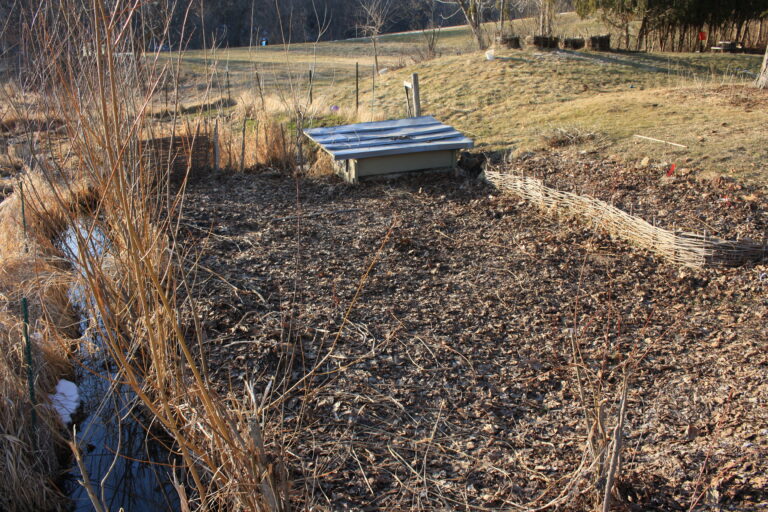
x: 229, y: 87
x: 357, y: 87
x: 310, y: 86
x: 416, y: 95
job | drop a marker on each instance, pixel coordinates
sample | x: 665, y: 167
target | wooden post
x: 416, y: 95
x: 229, y: 88
x: 310, y: 86
x: 357, y: 87
x: 407, y: 100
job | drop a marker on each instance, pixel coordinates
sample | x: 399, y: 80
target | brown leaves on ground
x: 684, y: 200
x: 452, y: 384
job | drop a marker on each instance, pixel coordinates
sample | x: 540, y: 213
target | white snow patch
x: 65, y: 400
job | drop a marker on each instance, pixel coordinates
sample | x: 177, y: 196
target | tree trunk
x: 626, y: 34
x: 546, y: 8
x: 472, y: 13
x: 502, y: 15
x: 762, y: 80
x: 641, y: 34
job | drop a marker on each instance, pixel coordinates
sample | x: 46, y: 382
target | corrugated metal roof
x: 383, y: 138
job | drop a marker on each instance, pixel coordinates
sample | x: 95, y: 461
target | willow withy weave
x: 679, y: 247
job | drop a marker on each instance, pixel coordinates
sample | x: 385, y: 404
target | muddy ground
x: 453, y: 384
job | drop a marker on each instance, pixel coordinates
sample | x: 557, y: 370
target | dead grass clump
x: 275, y: 147
x: 252, y: 104
x: 26, y: 272
x: 264, y: 141
x: 322, y: 166
x: 568, y: 136
x: 29, y: 449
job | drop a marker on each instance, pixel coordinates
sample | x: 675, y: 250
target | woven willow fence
x: 180, y: 155
x: 682, y: 248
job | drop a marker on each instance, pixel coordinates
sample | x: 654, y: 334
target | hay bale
x: 543, y: 42
x: 599, y: 43
x: 573, y: 43
x: 508, y: 41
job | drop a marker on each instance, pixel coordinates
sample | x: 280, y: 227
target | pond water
x: 128, y: 466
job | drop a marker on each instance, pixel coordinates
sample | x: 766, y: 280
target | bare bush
x: 569, y: 136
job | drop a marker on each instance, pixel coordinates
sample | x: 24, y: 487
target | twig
x: 662, y: 141
x: 617, y: 442
x: 316, y: 214
x: 85, y: 482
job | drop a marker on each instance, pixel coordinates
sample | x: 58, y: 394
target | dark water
x: 127, y: 465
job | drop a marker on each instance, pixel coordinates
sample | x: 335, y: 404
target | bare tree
x: 502, y: 6
x: 431, y: 33
x: 545, y: 13
x: 546, y: 16
x: 375, y: 14
x: 473, y: 12
x: 762, y: 79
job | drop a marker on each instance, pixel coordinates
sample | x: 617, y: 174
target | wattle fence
x: 679, y: 247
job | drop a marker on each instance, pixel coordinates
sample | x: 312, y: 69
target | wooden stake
x: 229, y: 88
x: 659, y: 140
x: 373, y: 90
x: 416, y: 95
x: 407, y: 100
x: 310, y: 86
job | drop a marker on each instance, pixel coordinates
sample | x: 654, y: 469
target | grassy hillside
x: 525, y: 100
x: 521, y: 99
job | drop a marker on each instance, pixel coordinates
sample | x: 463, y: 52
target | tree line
x: 682, y: 25
x: 663, y: 25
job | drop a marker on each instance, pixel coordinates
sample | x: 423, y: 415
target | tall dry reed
x: 99, y: 84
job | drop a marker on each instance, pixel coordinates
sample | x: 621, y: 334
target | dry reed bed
x: 30, y: 268
x: 682, y: 248
x: 137, y: 288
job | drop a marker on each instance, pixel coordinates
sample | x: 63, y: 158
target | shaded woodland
x: 654, y: 25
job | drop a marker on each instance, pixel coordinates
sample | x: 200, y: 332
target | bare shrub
x: 322, y: 166
x: 569, y: 136
x: 142, y: 286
